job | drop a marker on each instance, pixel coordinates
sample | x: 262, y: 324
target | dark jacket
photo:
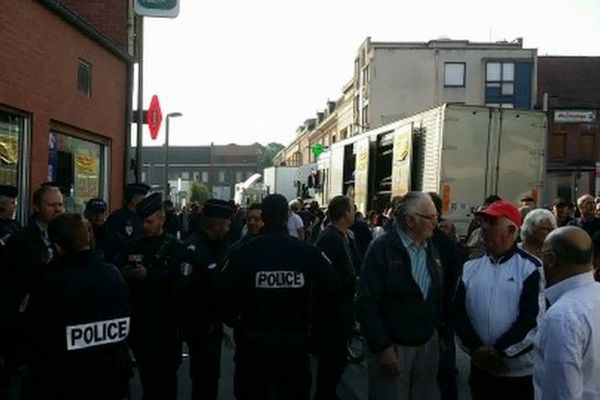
x: 344, y: 257
x: 67, y: 363
x: 276, y: 287
x: 200, y: 311
x: 153, y: 314
x: 390, y: 307
x: 452, y: 261
x: 363, y: 236
x: 126, y: 224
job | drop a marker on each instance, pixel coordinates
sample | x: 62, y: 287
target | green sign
x: 157, y: 8
x: 317, y: 149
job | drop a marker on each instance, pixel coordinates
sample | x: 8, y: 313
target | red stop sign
x: 154, y: 117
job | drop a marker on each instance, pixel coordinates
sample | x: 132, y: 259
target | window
x: 197, y: 176
x: 557, y: 145
x: 185, y: 176
x: 365, y: 117
x: 84, y: 78
x: 77, y: 166
x: 221, y: 176
x: 204, y: 176
x: 14, y: 133
x: 239, y: 175
x: 586, y: 147
x: 500, y: 84
x: 454, y: 74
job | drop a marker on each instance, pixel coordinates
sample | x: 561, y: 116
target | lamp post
x: 166, y: 187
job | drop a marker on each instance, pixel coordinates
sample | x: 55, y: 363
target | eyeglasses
x: 432, y: 218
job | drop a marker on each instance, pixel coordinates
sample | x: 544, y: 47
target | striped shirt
x: 418, y: 262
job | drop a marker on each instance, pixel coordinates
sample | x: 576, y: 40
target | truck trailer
x: 464, y: 153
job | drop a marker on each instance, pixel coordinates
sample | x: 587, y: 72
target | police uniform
x: 125, y: 222
x: 79, y: 321
x: 276, y: 288
x: 201, y: 319
x: 154, y: 336
x: 106, y: 240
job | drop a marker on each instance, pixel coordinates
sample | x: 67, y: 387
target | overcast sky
x: 252, y: 71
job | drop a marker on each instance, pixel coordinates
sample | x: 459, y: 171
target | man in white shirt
x: 295, y: 225
x: 567, y: 361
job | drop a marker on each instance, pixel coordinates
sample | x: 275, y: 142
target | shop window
x: 13, y: 139
x: 77, y: 166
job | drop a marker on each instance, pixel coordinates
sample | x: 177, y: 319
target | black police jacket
x: 78, y: 319
x: 276, y: 287
x: 198, y: 295
x: 390, y: 306
x: 153, y: 298
x: 7, y: 228
x: 126, y: 224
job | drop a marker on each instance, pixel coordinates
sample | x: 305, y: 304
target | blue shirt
x: 418, y: 262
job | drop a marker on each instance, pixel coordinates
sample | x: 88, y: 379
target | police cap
x: 215, y: 208
x: 274, y: 206
x: 9, y: 191
x: 133, y: 189
x: 96, y: 206
x: 149, y: 205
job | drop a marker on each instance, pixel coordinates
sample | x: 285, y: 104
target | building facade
x: 572, y: 89
x: 219, y: 167
x: 393, y: 80
x: 64, y: 96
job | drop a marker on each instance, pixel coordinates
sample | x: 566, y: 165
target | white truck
x: 464, y: 153
x: 281, y: 180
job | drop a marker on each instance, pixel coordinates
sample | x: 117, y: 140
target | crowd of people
x: 86, y: 298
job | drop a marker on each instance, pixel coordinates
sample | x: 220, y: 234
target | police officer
x: 202, y: 326
x: 150, y: 271
x: 105, y: 240
x: 274, y: 284
x: 8, y: 206
x: 79, y: 320
x: 125, y: 221
x: 27, y: 254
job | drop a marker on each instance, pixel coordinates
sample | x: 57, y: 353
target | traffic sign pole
x: 140, y: 97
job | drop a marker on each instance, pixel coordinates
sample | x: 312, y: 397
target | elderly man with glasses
x: 399, y: 304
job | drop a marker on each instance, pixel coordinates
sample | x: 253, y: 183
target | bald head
x: 567, y: 251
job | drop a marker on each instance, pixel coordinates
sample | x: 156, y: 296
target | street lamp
x: 166, y: 187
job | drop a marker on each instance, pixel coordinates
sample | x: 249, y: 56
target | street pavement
x: 352, y: 387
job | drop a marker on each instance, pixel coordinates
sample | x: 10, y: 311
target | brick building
x: 219, y: 167
x: 572, y: 85
x: 64, y: 97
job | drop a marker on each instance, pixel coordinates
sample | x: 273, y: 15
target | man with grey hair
x: 536, y: 226
x: 498, y: 304
x: 588, y: 220
x: 399, y: 304
x: 567, y: 363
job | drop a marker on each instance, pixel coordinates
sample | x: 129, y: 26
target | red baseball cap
x: 502, y: 209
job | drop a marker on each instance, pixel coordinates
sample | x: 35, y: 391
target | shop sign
x: 157, y: 8
x: 575, y: 116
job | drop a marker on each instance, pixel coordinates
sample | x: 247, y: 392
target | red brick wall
x: 108, y: 16
x: 38, y: 75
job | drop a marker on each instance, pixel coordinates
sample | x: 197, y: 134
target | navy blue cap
x: 96, y: 206
x: 9, y: 191
x: 274, y: 205
x: 132, y: 189
x: 149, y: 205
x: 215, y: 208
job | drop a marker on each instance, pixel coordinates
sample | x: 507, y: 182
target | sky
x: 252, y: 71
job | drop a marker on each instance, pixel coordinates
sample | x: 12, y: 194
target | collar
x: 554, y: 292
x: 407, y: 241
x: 505, y: 257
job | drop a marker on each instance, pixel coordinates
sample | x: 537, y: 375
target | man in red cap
x: 498, y: 304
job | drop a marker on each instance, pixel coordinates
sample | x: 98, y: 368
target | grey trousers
x: 417, y: 377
